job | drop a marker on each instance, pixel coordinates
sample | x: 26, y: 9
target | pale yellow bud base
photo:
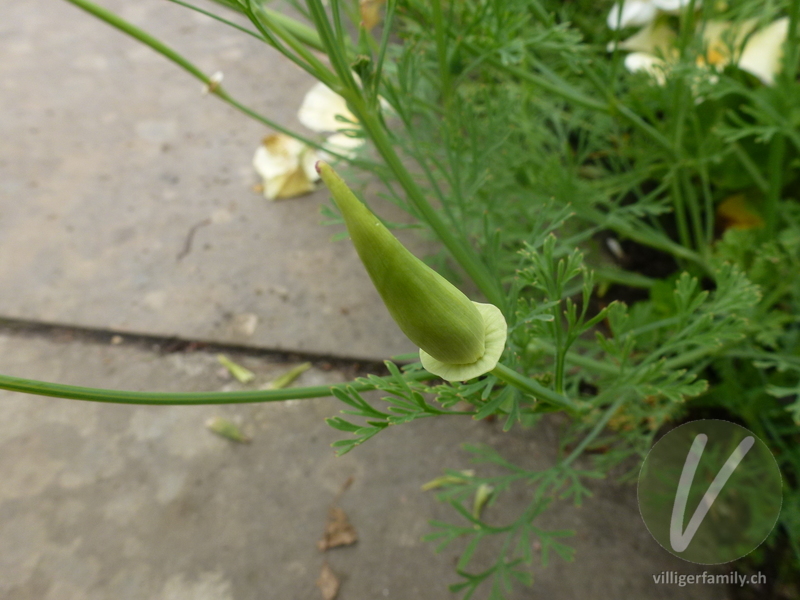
x: 496, y: 331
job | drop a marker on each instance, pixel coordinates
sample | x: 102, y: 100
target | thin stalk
x: 332, y: 46
x: 72, y: 392
x: 302, y: 32
x: 680, y: 212
x: 142, y: 36
x: 695, y: 212
x: 312, y: 65
x: 791, y: 63
x: 464, y: 255
x: 223, y: 95
x: 751, y: 167
x: 628, y: 278
x: 777, y: 153
x: 441, y: 51
x: 216, y: 17
x: 596, y: 430
x: 213, y: 86
x: 614, y: 107
x: 579, y: 360
x: 371, y: 122
x: 534, y: 388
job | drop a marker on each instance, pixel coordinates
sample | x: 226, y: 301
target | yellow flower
x: 458, y: 339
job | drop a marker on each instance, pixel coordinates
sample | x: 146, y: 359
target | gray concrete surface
x: 110, y: 156
x: 101, y: 502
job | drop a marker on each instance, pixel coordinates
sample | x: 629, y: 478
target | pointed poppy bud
x: 458, y: 339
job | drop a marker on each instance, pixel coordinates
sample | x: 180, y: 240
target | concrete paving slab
x: 103, y: 501
x: 126, y: 197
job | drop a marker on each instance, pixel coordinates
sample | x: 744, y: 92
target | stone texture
x: 102, y: 501
x: 126, y: 196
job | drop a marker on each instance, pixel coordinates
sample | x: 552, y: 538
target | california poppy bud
x: 458, y: 339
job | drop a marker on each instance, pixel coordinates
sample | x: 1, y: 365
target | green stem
x: 302, y: 32
x: 680, y: 212
x: 464, y: 255
x: 534, y: 388
x: 777, y: 154
x: 371, y: 121
x: 791, y: 63
x: 751, y: 167
x: 441, y: 51
x: 213, y: 87
x: 596, y: 430
x: 57, y: 390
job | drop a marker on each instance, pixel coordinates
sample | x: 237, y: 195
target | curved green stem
x: 534, y: 388
x: 465, y: 256
x: 74, y: 392
x: 596, y: 430
x: 213, y: 86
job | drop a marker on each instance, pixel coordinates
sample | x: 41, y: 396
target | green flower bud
x: 458, y: 339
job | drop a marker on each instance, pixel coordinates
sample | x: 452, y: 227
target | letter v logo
x: 680, y: 540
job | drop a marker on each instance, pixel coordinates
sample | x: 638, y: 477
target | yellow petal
x: 734, y: 213
x: 370, y: 12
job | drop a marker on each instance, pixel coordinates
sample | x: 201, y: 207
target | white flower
x: 759, y: 53
x: 286, y: 167
x: 656, y: 38
x: 763, y: 52
x: 642, y: 12
x: 725, y: 43
x: 323, y: 110
x: 641, y: 61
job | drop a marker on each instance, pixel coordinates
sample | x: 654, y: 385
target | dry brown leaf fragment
x: 371, y: 12
x: 735, y: 212
x: 328, y: 583
x: 338, y: 531
x: 227, y: 429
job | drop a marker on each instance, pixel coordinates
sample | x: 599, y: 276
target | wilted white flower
x: 325, y: 111
x: 656, y: 38
x: 641, y: 12
x: 762, y: 52
x: 286, y: 167
x: 648, y: 63
x: 757, y: 52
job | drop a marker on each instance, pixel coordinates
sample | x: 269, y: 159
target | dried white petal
x: 763, y: 51
x: 342, y: 144
x: 634, y: 12
x: 641, y: 61
x: 642, y: 12
x: 656, y: 38
x: 286, y: 167
x: 323, y: 109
